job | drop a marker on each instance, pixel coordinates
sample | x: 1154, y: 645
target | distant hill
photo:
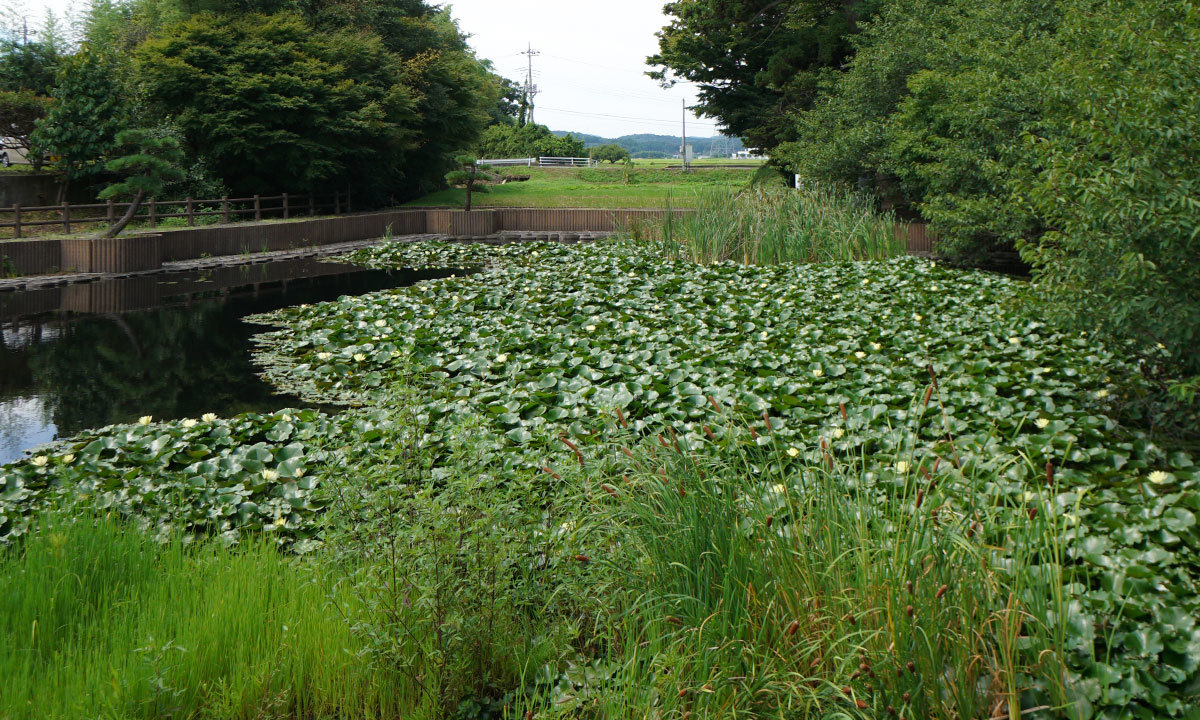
x: 645, y: 145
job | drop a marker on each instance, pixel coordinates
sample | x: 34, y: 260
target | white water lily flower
x: 763, y: 335
x: 501, y: 358
x: 818, y: 372
x: 838, y: 433
x: 381, y: 323
x: 1042, y: 423
x: 866, y: 281
x: 1100, y: 395
x: 860, y: 354
x: 1158, y: 477
x: 208, y: 417
x: 902, y: 466
x: 1014, y: 341
x: 876, y: 346
x: 40, y: 461
x: 917, y: 317
x: 145, y: 420
x: 270, y: 475
x: 280, y: 521
x: 454, y: 298
x: 68, y: 458
x: 590, y: 328
x: 793, y: 452
x: 324, y: 355
x: 299, y: 473
x: 359, y: 357
x: 285, y: 417
x: 189, y: 423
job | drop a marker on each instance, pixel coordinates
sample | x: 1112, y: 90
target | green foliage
x: 1112, y: 175
x: 611, y: 153
x: 263, y: 98
x: 153, y: 160
x: 87, y: 110
x: 100, y: 621
x: 470, y: 175
x: 28, y: 66
x: 529, y: 140
x: 764, y: 226
x: 20, y: 112
x: 809, y: 587
x: 756, y: 62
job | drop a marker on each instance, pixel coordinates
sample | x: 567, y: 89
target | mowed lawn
x: 605, y: 187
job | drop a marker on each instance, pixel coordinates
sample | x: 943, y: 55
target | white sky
x: 591, y: 69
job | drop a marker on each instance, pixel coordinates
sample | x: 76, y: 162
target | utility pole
x: 530, y: 88
x: 683, y: 147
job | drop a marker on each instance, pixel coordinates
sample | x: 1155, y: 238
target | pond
x: 171, y: 345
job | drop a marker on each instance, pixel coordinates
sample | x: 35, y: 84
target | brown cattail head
x: 574, y: 449
x: 627, y: 452
x: 928, y: 394
x: 861, y: 704
x: 753, y: 434
x: 941, y: 592
x: 920, y: 497
x: 608, y: 489
x: 621, y: 417
x: 842, y: 407
x: 907, y: 697
x: 713, y: 401
x: 1032, y: 513
x: 824, y: 444
x: 551, y: 473
x: 582, y: 559
x: 674, y: 439
x: 708, y: 431
x: 767, y: 420
x: 847, y: 691
x: 909, y: 586
x: 528, y: 715
x: 933, y: 375
x: 662, y: 441
x: 912, y: 668
x: 683, y: 692
x: 1049, y: 473
x: 770, y: 519
x: 925, y: 472
x: 626, y: 479
x: 910, y: 611
x: 793, y: 628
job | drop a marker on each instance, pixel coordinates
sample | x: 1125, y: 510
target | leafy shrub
x: 529, y: 140
x: 1113, y: 176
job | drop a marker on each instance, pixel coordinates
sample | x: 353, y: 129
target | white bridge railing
x: 539, y: 161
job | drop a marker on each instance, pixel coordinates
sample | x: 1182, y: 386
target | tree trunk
x: 469, y: 184
x: 119, y: 225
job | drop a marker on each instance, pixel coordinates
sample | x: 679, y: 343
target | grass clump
x: 99, y: 621
x: 766, y: 226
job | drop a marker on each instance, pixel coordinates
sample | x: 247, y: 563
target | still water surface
x: 170, y: 346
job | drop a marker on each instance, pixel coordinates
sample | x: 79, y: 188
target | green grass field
x: 604, y: 187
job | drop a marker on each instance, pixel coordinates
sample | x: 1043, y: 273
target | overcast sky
x: 591, y: 68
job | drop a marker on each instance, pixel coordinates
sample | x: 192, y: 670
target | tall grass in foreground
x: 822, y: 590
x: 765, y: 226
x: 96, y: 621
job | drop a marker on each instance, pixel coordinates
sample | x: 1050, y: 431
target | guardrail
x: 229, y: 209
x: 540, y: 162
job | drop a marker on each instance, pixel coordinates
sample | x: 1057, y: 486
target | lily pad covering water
x: 554, y: 341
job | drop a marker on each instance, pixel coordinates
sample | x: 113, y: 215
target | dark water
x: 170, y: 346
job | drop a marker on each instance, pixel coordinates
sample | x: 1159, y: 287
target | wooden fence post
x: 110, y: 213
x: 225, y: 209
x: 153, y: 214
x: 285, y: 206
x: 66, y: 213
x: 257, y: 209
x: 312, y: 205
x: 337, y: 203
x: 17, y: 220
x: 190, y: 212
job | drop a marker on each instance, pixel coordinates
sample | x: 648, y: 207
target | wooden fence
x: 255, y: 207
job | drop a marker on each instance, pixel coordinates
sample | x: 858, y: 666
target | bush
x: 1113, y: 176
x: 610, y: 153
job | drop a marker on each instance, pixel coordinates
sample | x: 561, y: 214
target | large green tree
x: 529, y: 140
x: 273, y: 106
x: 88, y: 108
x: 20, y: 112
x: 756, y: 62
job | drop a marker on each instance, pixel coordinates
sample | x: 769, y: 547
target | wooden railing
x: 257, y: 207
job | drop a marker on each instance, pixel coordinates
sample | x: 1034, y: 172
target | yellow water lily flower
x: 1042, y: 423
x: 838, y: 433
x: 68, y: 458
x: 818, y: 372
x: 208, y: 417
x: 1014, y: 341
x: 40, y: 461
x: 189, y: 423
x: 902, y: 467
x: 270, y: 475
x: 381, y: 323
x: 860, y: 354
x: 502, y: 358
x: 324, y: 355
x: 359, y: 357
x: 1100, y: 395
x: 793, y: 452
x: 590, y: 328
x: 1158, y: 477
x: 280, y: 521
x: 778, y: 489
x: 876, y: 346
x: 145, y: 420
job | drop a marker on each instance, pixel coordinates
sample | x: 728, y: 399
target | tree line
x: 1068, y: 131
x: 260, y: 96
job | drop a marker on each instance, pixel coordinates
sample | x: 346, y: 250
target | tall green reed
x: 825, y: 587
x: 97, y: 621
x: 765, y: 226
